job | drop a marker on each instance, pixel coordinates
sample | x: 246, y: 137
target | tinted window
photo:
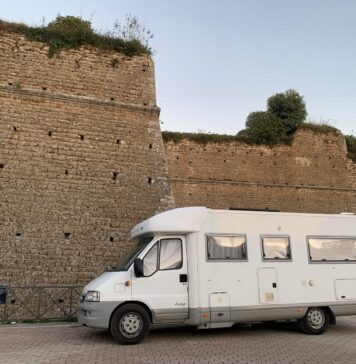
x: 170, y: 254
x: 332, y: 249
x: 226, y: 247
x: 276, y: 247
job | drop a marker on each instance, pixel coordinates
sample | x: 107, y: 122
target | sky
x: 217, y: 61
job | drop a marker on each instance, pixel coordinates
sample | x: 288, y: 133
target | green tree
x: 264, y: 128
x: 288, y: 106
x: 285, y: 113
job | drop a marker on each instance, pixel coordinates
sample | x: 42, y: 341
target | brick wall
x: 312, y: 175
x: 81, y: 160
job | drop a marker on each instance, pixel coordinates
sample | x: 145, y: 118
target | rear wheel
x: 130, y: 324
x: 315, y: 321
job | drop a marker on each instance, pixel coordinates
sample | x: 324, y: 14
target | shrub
x: 264, y: 128
x: 289, y: 107
x: 351, y: 146
x: 133, y: 29
x: 285, y: 113
x: 71, y: 26
x: 63, y: 32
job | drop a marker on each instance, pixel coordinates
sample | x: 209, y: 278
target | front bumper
x: 96, y: 314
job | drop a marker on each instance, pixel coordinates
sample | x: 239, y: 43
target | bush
x: 289, y: 107
x: 71, y: 27
x: 264, y: 128
x: 63, y: 32
x: 351, y: 146
x: 285, y: 113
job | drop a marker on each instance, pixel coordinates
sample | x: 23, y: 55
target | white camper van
x: 214, y: 268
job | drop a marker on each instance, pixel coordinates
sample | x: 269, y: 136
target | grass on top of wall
x: 320, y: 128
x: 73, y: 32
x: 223, y: 138
x: 205, y: 138
x: 202, y: 138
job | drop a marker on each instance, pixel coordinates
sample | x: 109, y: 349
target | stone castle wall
x: 312, y: 175
x: 81, y: 160
x: 109, y: 76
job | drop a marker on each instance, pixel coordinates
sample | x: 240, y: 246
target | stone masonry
x: 314, y: 174
x: 81, y: 160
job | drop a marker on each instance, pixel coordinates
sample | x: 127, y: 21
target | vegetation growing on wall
x: 285, y: 113
x: 204, y: 138
x: 351, y: 146
x: 67, y: 32
x: 265, y: 128
x: 321, y: 128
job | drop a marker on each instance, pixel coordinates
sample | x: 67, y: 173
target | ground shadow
x: 186, y: 332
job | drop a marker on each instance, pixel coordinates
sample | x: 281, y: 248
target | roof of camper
x: 190, y: 219
x: 181, y: 220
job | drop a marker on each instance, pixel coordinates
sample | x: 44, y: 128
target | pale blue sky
x: 216, y: 61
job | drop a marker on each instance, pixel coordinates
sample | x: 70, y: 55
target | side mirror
x: 138, y: 267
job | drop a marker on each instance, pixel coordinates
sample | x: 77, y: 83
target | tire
x: 130, y: 324
x: 315, y: 321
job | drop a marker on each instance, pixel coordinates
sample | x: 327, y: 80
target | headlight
x: 92, y: 296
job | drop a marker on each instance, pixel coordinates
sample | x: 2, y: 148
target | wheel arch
x: 139, y: 303
x: 331, y: 314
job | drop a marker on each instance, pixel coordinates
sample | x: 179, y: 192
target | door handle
x: 274, y: 285
x: 183, y: 278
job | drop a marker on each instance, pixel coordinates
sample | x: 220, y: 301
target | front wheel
x: 130, y: 324
x: 315, y: 321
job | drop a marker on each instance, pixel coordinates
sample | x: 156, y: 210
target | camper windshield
x: 134, y: 250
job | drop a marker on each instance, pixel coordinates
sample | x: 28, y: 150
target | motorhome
x: 216, y: 268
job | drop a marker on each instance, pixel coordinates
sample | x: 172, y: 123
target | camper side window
x: 223, y: 247
x: 332, y: 249
x: 276, y: 248
x: 170, y: 256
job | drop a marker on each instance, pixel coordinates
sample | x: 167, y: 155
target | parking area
x: 272, y: 343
